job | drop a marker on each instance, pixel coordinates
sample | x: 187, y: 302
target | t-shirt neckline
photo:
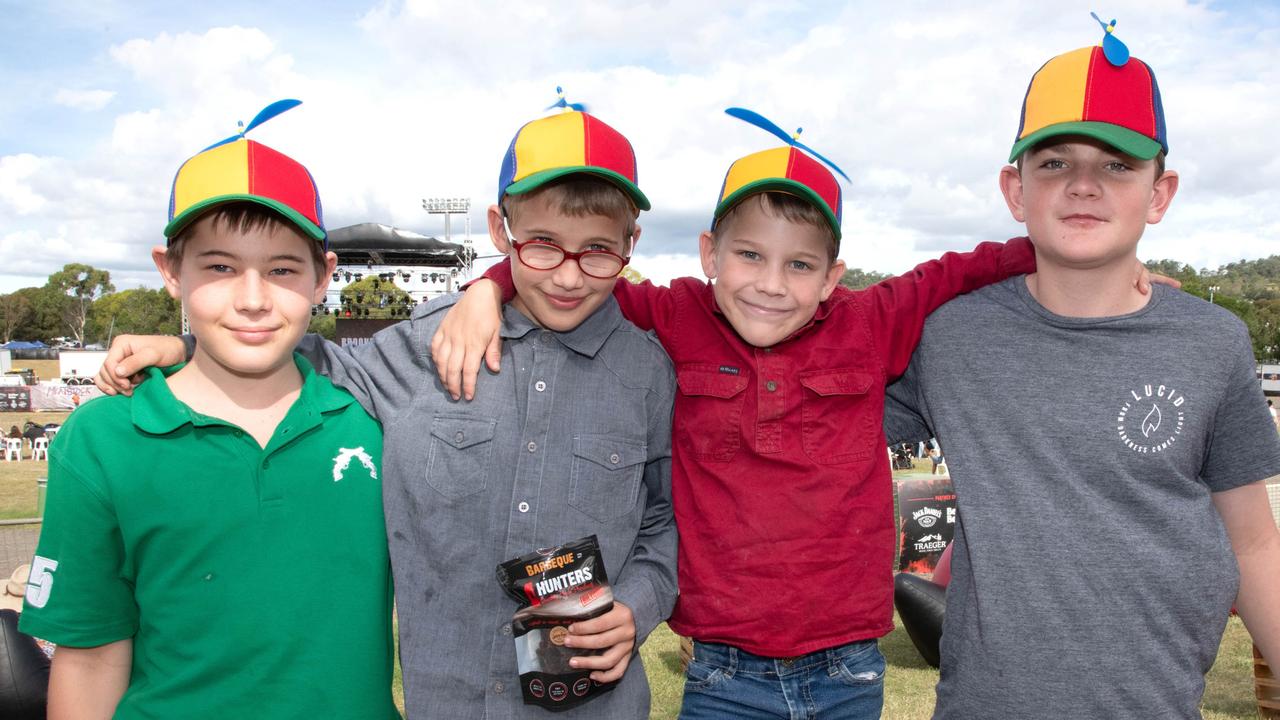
x: 1158, y: 293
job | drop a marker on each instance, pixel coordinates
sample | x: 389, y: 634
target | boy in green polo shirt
x: 197, y: 533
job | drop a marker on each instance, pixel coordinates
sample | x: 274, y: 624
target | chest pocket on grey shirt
x: 461, y: 450
x: 605, y: 479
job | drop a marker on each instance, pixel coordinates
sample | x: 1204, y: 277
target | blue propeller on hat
x: 1116, y: 52
x: 765, y: 124
x: 562, y: 103
x: 264, y: 115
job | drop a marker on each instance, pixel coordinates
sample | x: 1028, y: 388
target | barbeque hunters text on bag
x: 555, y: 587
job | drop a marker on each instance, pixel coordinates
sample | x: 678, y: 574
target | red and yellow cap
x: 793, y: 168
x: 1084, y: 92
x: 567, y: 143
x: 245, y: 170
x: 784, y: 169
x: 235, y: 169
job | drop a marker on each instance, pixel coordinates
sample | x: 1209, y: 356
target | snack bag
x: 555, y: 587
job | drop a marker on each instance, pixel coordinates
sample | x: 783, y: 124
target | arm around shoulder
x: 383, y: 374
x: 898, y: 306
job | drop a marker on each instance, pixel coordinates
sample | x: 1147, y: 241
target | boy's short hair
x: 792, y: 208
x: 579, y: 195
x: 243, y: 217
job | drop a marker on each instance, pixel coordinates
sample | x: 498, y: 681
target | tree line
x: 80, y: 302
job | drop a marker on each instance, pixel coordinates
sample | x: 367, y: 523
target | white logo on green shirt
x: 343, y: 460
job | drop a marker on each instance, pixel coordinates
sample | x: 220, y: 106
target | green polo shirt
x: 254, y: 582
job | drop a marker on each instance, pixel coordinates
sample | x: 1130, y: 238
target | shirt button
x: 506, y: 629
x: 499, y: 687
x: 547, y: 339
x: 458, y: 437
x: 266, y: 464
x: 533, y: 446
x: 239, y: 433
x: 615, y: 458
x: 524, y: 508
x: 771, y: 386
x: 539, y: 386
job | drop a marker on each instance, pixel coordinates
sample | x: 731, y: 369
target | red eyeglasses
x: 542, y: 255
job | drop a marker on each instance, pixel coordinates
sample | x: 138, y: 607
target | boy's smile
x: 1085, y: 203
x: 770, y: 273
x: 561, y: 298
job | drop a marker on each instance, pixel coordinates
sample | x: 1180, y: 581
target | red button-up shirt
x: 780, y: 478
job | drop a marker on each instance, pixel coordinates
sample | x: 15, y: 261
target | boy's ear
x: 1162, y: 194
x: 707, y: 251
x: 635, y: 240
x: 498, y: 233
x: 159, y: 256
x: 833, y: 278
x: 1011, y: 188
x: 322, y: 282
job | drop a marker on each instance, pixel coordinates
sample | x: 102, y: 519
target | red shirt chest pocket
x: 840, y: 416
x: 708, y: 412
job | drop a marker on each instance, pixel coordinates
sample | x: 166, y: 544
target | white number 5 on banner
x: 41, y: 581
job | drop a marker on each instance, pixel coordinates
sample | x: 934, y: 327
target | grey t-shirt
x: 1091, y: 574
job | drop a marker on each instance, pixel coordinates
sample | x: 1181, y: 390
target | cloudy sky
x: 101, y: 100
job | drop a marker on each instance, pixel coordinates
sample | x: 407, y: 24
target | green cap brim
x: 791, y: 187
x: 539, y: 179
x: 186, y: 217
x: 1123, y: 139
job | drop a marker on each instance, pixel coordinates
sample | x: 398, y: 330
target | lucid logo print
x: 1151, y: 419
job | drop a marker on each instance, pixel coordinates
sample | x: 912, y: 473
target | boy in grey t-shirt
x: 1108, y: 517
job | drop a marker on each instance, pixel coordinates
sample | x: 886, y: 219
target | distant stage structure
x: 383, y: 272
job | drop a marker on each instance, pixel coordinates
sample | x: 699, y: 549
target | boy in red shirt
x: 780, y: 483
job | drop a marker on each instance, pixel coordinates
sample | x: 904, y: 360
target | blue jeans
x: 841, y: 682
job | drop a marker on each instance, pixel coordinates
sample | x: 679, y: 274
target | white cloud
x: 917, y: 103
x: 16, y: 191
x: 83, y: 99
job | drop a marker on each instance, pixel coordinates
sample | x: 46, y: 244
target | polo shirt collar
x: 586, y: 339
x: 156, y: 410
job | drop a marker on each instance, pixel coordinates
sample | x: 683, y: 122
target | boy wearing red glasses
x: 574, y: 440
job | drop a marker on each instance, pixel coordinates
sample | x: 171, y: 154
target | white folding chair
x: 13, y: 449
x: 41, y: 447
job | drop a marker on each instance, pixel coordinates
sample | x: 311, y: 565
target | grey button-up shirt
x: 572, y: 438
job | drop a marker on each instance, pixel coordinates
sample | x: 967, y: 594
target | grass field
x: 909, y: 681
